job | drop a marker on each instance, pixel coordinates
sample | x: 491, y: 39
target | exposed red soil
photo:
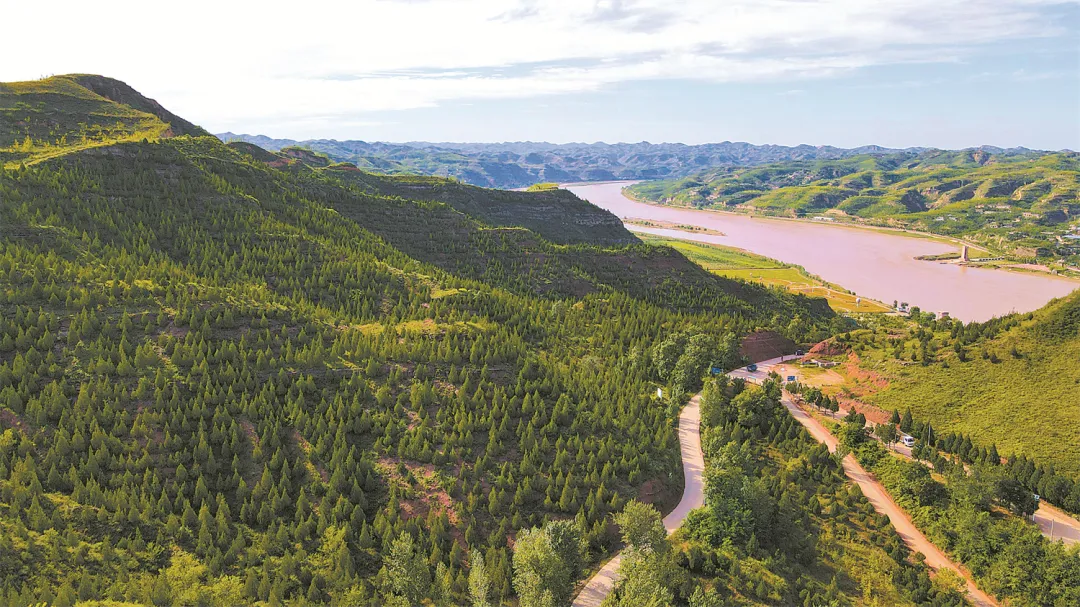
x: 249, y: 430
x: 10, y: 418
x: 873, y: 414
x: 829, y: 347
x: 654, y: 491
x: 429, y: 495
x: 862, y: 382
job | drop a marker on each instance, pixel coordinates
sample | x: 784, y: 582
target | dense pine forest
x: 226, y: 383
x: 231, y: 376
x: 781, y: 526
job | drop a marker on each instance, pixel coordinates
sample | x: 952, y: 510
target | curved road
x: 601, y: 584
x: 875, y: 492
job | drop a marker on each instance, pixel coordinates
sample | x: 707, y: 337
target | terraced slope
x: 1017, y: 204
x: 223, y: 382
x: 44, y: 118
x: 557, y: 215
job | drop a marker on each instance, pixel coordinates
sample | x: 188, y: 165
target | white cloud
x: 225, y: 63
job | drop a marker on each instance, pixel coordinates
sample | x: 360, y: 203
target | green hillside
x: 555, y: 214
x: 1017, y: 389
x: 44, y: 118
x: 1008, y: 385
x: 232, y: 378
x: 1019, y: 205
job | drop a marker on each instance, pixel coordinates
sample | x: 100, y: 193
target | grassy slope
x: 41, y: 119
x: 737, y: 263
x: 1026, y: 404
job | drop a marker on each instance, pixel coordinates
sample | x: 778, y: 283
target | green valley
x: 232, y: 375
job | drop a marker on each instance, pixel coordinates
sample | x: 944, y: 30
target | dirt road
x: 1054, y: 523
x: 601, y: 584
x: 873, y: 491
x: 884, y: 504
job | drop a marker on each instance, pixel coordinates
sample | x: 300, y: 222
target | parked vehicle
x: 909, y: 441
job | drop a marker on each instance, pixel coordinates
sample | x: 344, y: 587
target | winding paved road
x: 601, y: 584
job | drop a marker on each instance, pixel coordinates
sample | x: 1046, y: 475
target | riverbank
x: 876, y: 264
x: 732, y: 262
x: 832, y: 221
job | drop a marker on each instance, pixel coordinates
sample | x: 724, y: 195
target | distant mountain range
x: 519, y: 164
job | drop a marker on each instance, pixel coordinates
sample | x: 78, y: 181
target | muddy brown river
x: 872, y: 263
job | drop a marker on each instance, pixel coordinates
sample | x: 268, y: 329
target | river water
x: 872, y: 263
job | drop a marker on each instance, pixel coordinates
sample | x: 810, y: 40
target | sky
x: 897, y: 73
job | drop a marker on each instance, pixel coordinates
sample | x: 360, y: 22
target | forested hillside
x: 223, y: 382
x: 557, y: 215
x: 1022, y: 205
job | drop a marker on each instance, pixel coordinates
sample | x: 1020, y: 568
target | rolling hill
x: 1016, y: 387
x: 229, y: 376
x: 515, y: 165
x: 1019, y: 204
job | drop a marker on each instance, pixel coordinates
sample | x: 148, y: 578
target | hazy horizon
x: 947, y: 74
x: 614, y: 143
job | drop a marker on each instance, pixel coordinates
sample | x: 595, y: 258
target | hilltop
x: 43, y: 118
